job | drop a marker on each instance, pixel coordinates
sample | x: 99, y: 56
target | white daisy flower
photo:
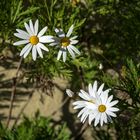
x: 65, y: 42
x: 96, y: 105
x: 33, y: 39
x: 103, y: 109
x: 89, y: 97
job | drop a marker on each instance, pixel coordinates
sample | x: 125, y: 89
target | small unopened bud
x: 100, y: 66
x: 69, y: 93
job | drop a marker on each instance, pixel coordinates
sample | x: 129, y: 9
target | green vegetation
x: 39, y: 128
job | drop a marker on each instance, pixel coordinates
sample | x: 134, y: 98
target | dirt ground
x: 28, y: 101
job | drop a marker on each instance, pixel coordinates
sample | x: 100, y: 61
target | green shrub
x: 39, y: 128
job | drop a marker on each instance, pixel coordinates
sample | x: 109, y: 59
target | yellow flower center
x: 34, y: 40
x: 102, y: 108
x: 65, y: 42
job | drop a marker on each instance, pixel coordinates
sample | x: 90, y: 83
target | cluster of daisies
x: 96, y: 105
x: 35, y: 40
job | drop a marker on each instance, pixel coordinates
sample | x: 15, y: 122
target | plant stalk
x: 13, y: 93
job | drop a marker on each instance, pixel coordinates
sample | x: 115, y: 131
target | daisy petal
x: 98, y: 99
x: 72, y: 38
x: 78, y: 106
x: 34, y: 53
x: 110, y: 113
x: 101, y: 119
x: 70, y: 31
x: 92, y: 116
x: 27, y: 52
x: 53, y: 44
x: 90, y: 90
x: 25, y: 49
x: 84, y: 95
x: 97, y: 119
x: 95, y: 87
x: 100, y: 90
x: 106, y: 93
x: 81, y: 112
x: 60, y: 32
x: 109, y: 99
x: 22, y: 33
x: 59, y: 54
x: 42, y: 47
x: 113, y: 103
x: 84, y: 116
x: 113, y: 109
x: 71, y: 52
x: 21, y: 42
x: 74, y: 49
x: 91, y: 106
x: 105, y: 117
x: 42, y: 31
x: 56, y: 39
x: 45, y: 39
x: 22, y: 36
x: 36, y: 27
x: 28, y: 29
x: 39, y: 51
x: 74, y: 42
x: 78, y: 102
x: 64, y: 55
x: 104, y: 97
x: 31, y: 26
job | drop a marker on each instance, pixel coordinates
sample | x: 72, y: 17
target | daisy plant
x: 65, y: 42
x: 96, y: 105
x: 33, y: 39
